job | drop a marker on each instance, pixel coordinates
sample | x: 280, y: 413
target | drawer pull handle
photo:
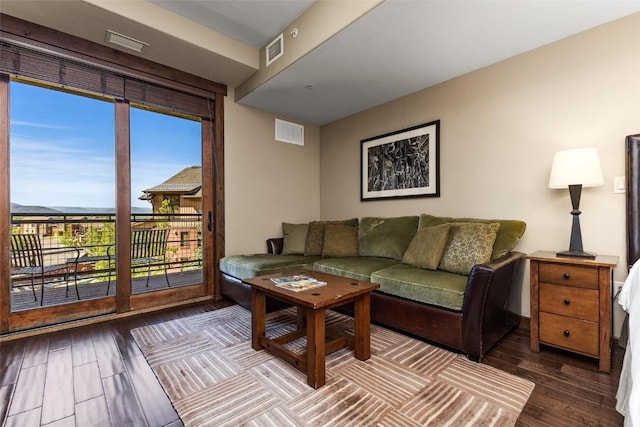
x: 567, y: 301
x: 566, y: 276
x: 566, y: 333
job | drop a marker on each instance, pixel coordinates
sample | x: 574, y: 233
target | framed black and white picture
x: 401, y: 164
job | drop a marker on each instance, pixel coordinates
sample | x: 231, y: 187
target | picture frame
x: 401, y: 164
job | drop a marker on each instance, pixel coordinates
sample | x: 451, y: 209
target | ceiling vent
x: 289, y: 132
x: 274, y: 50
x: 125, y: 41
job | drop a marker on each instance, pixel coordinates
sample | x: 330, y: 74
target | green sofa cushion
x: 470, y: 243
x: 509, y: 233
x: 359, y: 268
x: 246, y: 266
x: 315, y: 235
x: 427, y: 247
x: 435, y: 287
x: 386, y: 237
x: 295, y: 236
x: 340, y: 241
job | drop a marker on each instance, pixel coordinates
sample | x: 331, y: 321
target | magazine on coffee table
x: 297, y: 283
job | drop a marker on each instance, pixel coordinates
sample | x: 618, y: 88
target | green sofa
x: 444, y: 279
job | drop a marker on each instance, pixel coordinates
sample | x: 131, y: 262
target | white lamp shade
x: 574, y: 167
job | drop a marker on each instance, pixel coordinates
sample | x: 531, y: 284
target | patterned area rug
x: 214, y: 378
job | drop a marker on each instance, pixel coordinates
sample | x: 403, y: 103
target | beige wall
x: 500, y: 127
x: 266, y: 182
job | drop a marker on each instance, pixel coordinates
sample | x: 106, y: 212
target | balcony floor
x: 54, y: 294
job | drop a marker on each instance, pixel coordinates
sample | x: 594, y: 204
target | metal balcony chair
x: 148, y: 247
x: 29, y: 260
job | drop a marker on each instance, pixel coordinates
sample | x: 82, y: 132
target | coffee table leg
x: 258, y: 321
x: 301, y: 318
x: 315, y: 347
x: 362, y: 318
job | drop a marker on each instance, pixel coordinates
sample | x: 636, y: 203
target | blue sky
x: 63, y: 149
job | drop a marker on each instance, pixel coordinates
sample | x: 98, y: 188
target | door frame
x: 56, y: 43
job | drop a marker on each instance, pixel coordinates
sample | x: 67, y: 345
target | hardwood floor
x: 96, y: 376
x: 570, y: 390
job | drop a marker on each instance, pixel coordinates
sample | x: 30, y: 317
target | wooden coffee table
x: 311, y: 306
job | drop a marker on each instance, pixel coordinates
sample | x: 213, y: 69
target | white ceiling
x: 398, y: 48
x: 401, y: 46
x: 254, y: 22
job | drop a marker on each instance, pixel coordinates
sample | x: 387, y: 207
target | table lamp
x: 575, y: 169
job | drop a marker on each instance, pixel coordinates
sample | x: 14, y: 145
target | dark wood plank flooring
x: 96, y: 376
x: 570, y: 390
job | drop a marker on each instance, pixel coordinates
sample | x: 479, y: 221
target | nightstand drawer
x: 583, y: 277
x: 569, y: 333
x: 570, y: 301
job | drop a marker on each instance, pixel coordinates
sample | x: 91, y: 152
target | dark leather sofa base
x: 235, y: 290
x: 430, y: 323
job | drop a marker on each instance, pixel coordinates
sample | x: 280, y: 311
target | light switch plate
x: 619, y: 184
x: 617, y: 287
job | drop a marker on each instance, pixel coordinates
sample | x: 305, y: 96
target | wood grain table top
x: 337, y: 291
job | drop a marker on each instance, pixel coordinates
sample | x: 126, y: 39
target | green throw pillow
x: 386, y: 237
x: 315, y: 235
x: 340, y: 241
x: 295, y: 236
x: 469, y: 244
x: 427, y: 247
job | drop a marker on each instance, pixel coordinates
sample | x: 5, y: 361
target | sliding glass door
x: 79, y: 245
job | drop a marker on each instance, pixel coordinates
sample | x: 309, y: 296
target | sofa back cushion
x: 469, y: 244
x: 507, y: 238
x: 386, y: 237
x: 315, y: 235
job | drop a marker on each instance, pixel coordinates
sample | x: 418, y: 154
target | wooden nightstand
x: 571, y: 304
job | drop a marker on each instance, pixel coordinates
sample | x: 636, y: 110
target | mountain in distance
x: 79, y: 210
x: 21, y: 209
x: 61, y: 210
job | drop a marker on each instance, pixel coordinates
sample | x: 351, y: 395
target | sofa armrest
x: 274, y: 245
x: 485, y: 315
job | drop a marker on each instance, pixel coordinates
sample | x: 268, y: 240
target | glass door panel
x: 62, y: 189
x: 166, y: 201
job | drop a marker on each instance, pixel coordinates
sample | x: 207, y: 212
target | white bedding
x: 628, y: 396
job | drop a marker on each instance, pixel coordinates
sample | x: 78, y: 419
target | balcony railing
x: 91, y: 257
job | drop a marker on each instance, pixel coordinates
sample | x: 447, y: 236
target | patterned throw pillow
x: 315, y: 236
x: 427, y: 247
x: 469, y: 244
x: 295, y: 236
x: 340, y: 241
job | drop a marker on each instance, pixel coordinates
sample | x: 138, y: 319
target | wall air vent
x: 289, y: 132
x: 274, y: 50
x: 125, y: 41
